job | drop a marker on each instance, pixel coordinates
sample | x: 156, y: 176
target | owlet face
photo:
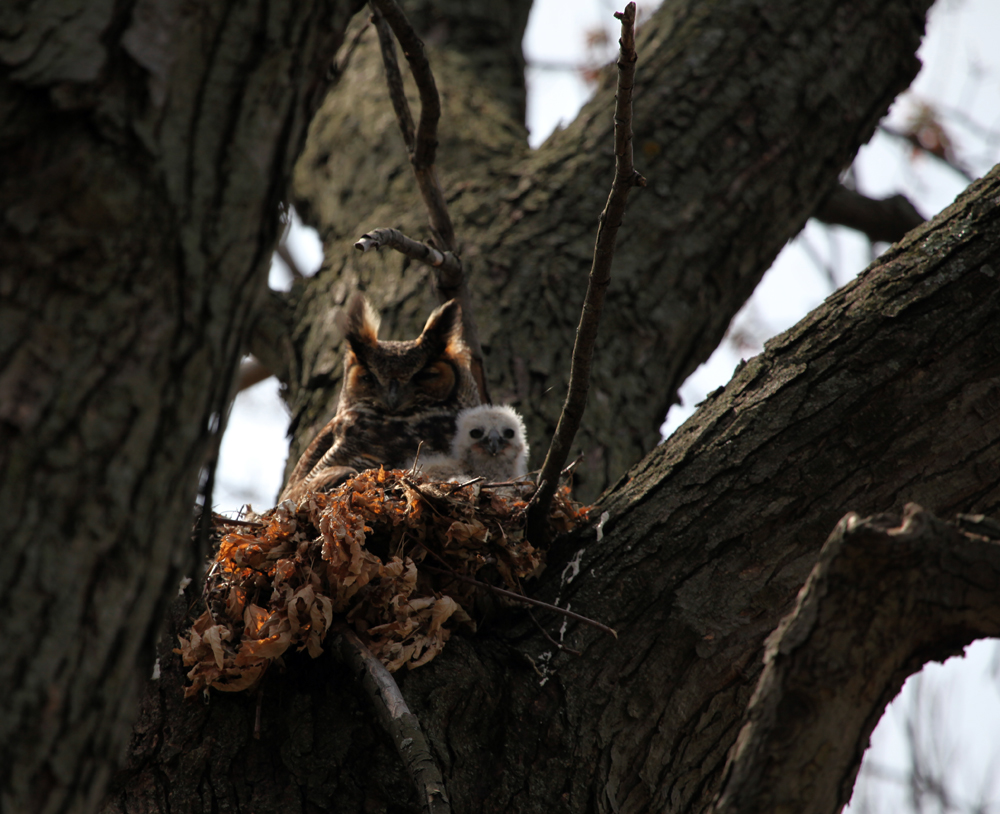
x: 490, y: 440
x: 403, y: 378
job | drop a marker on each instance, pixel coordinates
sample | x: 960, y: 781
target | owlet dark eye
x: 508, y: 433
x: 477, y: 433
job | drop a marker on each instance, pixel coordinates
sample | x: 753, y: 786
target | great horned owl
x: 394, y: 395
x: 490, y: 442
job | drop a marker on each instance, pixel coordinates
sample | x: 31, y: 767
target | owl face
x: 491, y: 440
x: 403, y: 378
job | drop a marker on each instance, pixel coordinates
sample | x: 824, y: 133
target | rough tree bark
x: 144, y: 152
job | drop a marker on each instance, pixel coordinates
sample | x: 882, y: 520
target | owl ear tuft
x: 359, y: 322
x: 443, y: 332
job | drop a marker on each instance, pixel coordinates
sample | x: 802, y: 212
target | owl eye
x: 428, y: 373
x: 508, y: 433
x: 477, y: 433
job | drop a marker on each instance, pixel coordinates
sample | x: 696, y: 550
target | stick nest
x: 359, y: 555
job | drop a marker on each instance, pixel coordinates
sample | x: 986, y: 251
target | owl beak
x: 392, y: 396
x: 494, y: 441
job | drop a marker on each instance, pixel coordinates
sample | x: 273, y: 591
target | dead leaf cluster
x: 353, y: 556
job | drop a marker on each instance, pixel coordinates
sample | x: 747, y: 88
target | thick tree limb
x: 885, y: 220
x: 600, y: 276
x: 885, y: 596
x: 396, y: 719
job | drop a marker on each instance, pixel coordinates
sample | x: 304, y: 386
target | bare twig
x: 527, y: 600
x: 401, y: 724
x: 887, y: 219
x: 600, y: 275
x: 286, y: 257
x: 339, y: 65
x: 449, y: 278
x: 550, y: 640
x: 911, y: 139
x: 424, y: 146
x: 446, y: 262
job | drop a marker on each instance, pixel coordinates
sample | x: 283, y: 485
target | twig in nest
x: 416, y: 458
x: 401, y: 724
x: 600, y: 275
x: 527, y: 600
x: 552, y: 641
x: 421, y: 143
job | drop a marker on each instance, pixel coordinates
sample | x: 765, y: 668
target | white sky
x: 961, y: 56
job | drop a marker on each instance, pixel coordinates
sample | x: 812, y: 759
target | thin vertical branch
x: 600, y: 276
x: 424, y: 149
x: 394, y: 79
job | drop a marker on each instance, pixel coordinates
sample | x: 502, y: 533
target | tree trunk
x: 144, y: 151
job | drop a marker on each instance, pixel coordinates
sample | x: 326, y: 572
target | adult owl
x: 394, y: 395
x: 490, y: 442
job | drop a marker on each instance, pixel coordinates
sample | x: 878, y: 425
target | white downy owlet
x: 490, y: 442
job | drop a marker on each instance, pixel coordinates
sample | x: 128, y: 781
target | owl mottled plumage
x: 394, y: 395
x: 490, y: 442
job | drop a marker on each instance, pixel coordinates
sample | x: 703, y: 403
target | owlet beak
x: 494, y: 442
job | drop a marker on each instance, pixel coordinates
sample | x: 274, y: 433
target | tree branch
x: 394, y: 79
x: 885, y: 220
x: 446, y: 264
x: 251, y: 372
x: 270, y: 338
x: 422, y: 146
x: 449, y: 278
x: 600, y: 276
x: 885, y: 597
x: 396, y: 719
x: 911, y: 138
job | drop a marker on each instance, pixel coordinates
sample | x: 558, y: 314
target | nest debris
x: 353, y: 556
